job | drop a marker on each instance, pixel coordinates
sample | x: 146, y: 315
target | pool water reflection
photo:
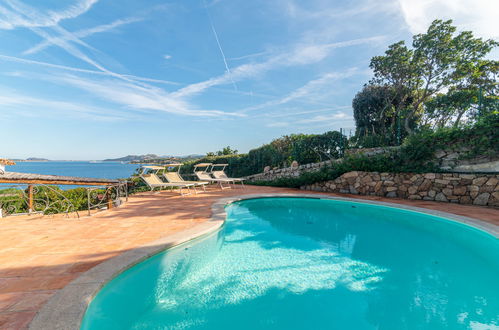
x: 294, y: 263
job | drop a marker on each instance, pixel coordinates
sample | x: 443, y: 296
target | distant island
x: 132, y: 158
x: 36, y: 159
x: 32, y: 159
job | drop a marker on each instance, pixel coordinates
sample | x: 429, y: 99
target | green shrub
x: 393, y: 161
x: 415, y: 155
x: 479, y: 139
x: 281, y: 152
x: 78, y: 197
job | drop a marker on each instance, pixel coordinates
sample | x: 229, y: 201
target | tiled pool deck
x: 40, y: 256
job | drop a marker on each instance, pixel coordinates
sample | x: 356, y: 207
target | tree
x: 227, y: 151
x: 450, y: 109
x: 439, y: 61
x: 328, y: 145
x: 396, y: 71
x: 315, y: 148
x: 224, y: 152
x: 374, y: 110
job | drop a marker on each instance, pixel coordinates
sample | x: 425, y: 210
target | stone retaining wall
x: 455, y: 160
x: 294, y: 171
x: 288, y: 172
x: 478, y: 189
x: 448, y: 160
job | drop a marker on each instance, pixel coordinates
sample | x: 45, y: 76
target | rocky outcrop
x: 478, y: 189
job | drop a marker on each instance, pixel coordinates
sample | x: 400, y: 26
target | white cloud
x: 245, y: 57
x: 65, y: 44
x: 341, y: 116
x: 33, y: 106
x: 81, y: 34
x: 311, y: 92
x: 66, y: 40
x: 132, y: 92
x: 73, y: 69
x: 278, y: 124
x: 136, y: 97
x: 327, y: 20
x: 322, y: 11
x: 126, y: 96
x: 316, y: 85
x: 288, y: 113
x: 123, y: 90
x: 301, y: 54
x: 20, y: 15
x: 333, y: 119
x: 479, y: 16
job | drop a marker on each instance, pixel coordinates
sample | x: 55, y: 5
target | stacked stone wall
x: 447, y: 160
x: 288, y: 172
x: 295, y: 170
x: 477, y: 189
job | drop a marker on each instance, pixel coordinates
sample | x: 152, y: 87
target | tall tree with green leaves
x: 376, y: 118
x: 446, y: 110
x: 439, y: 61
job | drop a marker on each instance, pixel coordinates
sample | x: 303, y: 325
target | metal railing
x: 107, y: 197
x: 32, y: 199
x: 27, y: 199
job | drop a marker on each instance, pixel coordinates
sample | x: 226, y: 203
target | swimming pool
x: 299, y: 263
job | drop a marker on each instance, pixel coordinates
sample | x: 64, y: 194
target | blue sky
x: 91, y: 79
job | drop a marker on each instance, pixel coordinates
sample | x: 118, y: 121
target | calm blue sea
x: 104, y: 170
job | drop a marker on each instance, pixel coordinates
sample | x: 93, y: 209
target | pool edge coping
x: 66, y: 308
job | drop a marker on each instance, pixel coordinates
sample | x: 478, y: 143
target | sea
x: 86, y: 169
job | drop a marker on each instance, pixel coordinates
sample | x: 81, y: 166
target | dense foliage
x: 302, y: 148
x: 52, y: 199
x: 46, y: 199
x: 476, y: 139
x: 415, y: 155
x: 376, y: 119
x: 445, y: 79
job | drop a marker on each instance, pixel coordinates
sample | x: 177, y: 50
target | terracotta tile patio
x: 39, y: 256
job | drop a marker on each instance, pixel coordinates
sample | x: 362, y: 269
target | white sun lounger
x: 220, y: 174
x: 204, y: 175
x: 175, y: 177
x: 153, y: 181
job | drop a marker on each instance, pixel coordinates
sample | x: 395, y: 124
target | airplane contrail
x: 219, y: 45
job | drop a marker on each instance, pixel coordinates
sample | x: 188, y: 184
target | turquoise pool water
x: 294, y: 263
